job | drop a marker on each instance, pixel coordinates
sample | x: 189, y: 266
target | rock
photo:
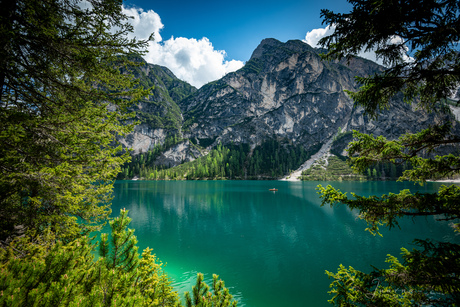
x: 159, y: 115
x: 285, y: 91
x: 178, y: 154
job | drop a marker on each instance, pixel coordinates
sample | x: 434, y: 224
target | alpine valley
x: 284, y: 111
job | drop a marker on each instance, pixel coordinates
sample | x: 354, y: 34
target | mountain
x: 285, y: 92
x: 158, y: 115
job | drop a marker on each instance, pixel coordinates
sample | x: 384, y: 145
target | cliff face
x: 285, y: 91
x: 158, y: 115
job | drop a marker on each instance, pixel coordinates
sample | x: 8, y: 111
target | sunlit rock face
x: 158, y: 115
x: 286, y: 90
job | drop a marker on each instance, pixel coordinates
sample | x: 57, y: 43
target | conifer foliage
x: 68, y: 274
x: 58, y: 274
x: 64, y: 96
x: 418, y: 41
x: 62, y: 101
x: 203, y: 297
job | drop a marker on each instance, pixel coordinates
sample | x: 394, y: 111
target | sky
x: 200, y: 41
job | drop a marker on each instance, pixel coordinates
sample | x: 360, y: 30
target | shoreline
x: 290, y: 178
x: 445, y: 180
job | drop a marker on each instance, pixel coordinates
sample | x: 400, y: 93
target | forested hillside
x: 286, y: 92
x: 157, y: 115
x: 270, y: 160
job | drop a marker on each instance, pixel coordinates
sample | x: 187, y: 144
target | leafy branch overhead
x: 418, y: 43
x: 400, y: 285
x: 416, y: 40
x: 367, y: 150
x: 386, y: 210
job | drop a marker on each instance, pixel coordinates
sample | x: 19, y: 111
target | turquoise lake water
x: 270, y: 248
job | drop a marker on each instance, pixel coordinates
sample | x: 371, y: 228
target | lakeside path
x: 446, y: 181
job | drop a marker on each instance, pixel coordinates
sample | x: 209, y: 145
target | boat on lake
x: 274, y: 190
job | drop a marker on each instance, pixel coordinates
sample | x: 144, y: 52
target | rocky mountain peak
x: 284, y: 92
x: 287, y: 91
x: 271, y: 51
x: 265, y: 46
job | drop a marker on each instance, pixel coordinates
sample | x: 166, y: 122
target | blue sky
x: 200, y: 41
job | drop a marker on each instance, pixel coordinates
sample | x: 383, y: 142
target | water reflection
x: 261, y: 243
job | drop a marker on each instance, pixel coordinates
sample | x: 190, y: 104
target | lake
x: 270, y: 248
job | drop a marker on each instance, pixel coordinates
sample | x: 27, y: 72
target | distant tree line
x: 271, y: 159
x: 386, y: 171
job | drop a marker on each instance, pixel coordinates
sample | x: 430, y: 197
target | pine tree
x: 63, y: 99
x: 62, y: 274
x: 202, y: 297
x: 427, y: 275
x: 128, y: 276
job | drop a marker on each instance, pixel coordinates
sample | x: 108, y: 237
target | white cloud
x: 144, y: 23
x: 191, y: 60
x: 195, y: 61
x: 312, y: 38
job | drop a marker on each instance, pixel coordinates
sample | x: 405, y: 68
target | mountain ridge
x: 285, y: 92
x: 281, y: 88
